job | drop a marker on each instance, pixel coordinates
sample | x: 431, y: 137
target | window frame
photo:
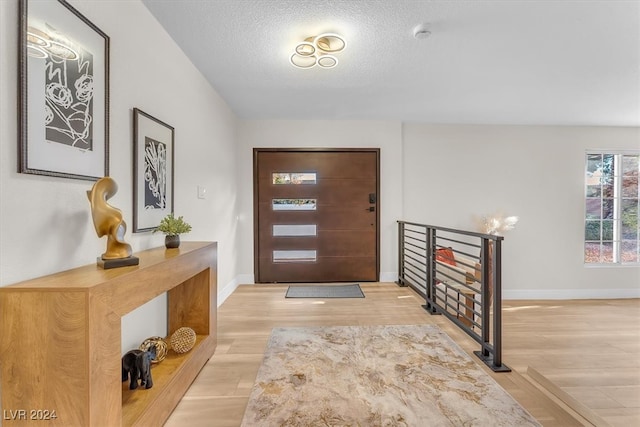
x: 617, y: 211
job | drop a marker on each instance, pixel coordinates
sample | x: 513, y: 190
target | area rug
x: 324, y: 291
x: 375, y: 376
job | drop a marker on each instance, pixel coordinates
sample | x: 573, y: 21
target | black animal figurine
x: 137, y: 365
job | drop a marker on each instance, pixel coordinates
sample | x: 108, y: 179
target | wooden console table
x: 60, y: 339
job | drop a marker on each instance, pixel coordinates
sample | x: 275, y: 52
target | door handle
x: 372, y: 209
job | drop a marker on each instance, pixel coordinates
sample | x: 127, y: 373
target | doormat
x: 324, y: 291
x: 405, y: 375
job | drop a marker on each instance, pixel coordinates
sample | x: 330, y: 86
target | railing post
x: 429, y: 265
x: 430, y: 239
x: 485, y: 297
x: 497, y: 306
x: 492, y: 293
x: 400, y: 281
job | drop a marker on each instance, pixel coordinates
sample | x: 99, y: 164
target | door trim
x: 256, y: 151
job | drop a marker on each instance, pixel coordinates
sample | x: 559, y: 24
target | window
x: 286, y: 178
x: 611, y: 231
x: 295, y: 256
x: 293, y: 204
x: 286, y: 230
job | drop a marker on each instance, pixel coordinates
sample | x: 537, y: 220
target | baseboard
x: 240, y: 279
x: 226, y: 291
x: 533, y: 294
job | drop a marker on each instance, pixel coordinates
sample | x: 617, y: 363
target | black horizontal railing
x: 459, y: 274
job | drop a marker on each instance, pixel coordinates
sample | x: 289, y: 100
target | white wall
x: 453, y: 172
x: 45, y: 223
x: 386, y: 135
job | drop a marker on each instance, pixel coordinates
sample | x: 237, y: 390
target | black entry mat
x: 325, y: 291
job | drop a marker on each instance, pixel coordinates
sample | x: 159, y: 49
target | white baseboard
x: 532, y: 294
x: 227, y: 290
x: 241, y: 279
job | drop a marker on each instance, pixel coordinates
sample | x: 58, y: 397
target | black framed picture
x: 64, y: 92
x: 153, y: 148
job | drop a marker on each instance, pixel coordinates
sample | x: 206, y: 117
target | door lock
x: 372, y: 209
x: 372, y: 197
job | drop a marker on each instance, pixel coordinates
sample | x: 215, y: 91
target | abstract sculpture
x: 108, y: 221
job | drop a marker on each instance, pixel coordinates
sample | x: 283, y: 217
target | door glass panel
x: 283, y: 230
x: 293, y: 178
x: 295, y: 256
x: 294, y: 204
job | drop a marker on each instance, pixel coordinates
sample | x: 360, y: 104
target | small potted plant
x: 172, y: 227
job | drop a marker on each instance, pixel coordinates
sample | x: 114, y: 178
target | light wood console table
x: 60, y: 339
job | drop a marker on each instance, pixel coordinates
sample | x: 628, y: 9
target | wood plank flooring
x: 589, y: 348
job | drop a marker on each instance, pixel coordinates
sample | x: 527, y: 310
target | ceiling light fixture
x: 318, y: 51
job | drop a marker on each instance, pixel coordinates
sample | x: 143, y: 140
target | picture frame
x: 153, y: 160
x: 63, y: 92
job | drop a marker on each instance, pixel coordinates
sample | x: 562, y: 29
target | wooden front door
x: 316, y: 216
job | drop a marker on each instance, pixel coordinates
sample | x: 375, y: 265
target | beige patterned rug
x: 375, y: 376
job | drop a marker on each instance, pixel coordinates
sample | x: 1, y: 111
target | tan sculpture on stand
x: 108, y: 221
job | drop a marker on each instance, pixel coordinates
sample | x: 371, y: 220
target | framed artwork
x: 152, y: 171
x: 64, y: 92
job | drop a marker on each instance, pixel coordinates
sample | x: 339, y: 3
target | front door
x: 316, y: 215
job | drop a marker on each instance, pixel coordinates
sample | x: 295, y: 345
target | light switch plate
x: 202, y: 192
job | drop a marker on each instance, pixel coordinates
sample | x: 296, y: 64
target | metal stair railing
x: 469, y: 293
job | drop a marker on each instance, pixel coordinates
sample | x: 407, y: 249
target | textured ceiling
x: 501, y: 62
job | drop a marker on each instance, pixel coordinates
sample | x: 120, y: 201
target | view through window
x: 611, y: 208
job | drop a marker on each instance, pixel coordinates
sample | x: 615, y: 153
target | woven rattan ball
x: 183, y: 340
x: 161, y: 348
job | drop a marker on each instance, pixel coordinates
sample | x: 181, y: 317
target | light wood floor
x: 585, y: 351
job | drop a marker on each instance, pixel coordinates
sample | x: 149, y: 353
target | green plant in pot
x: 172, y: 227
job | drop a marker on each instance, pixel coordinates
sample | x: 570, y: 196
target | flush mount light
x: 318, y: 51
